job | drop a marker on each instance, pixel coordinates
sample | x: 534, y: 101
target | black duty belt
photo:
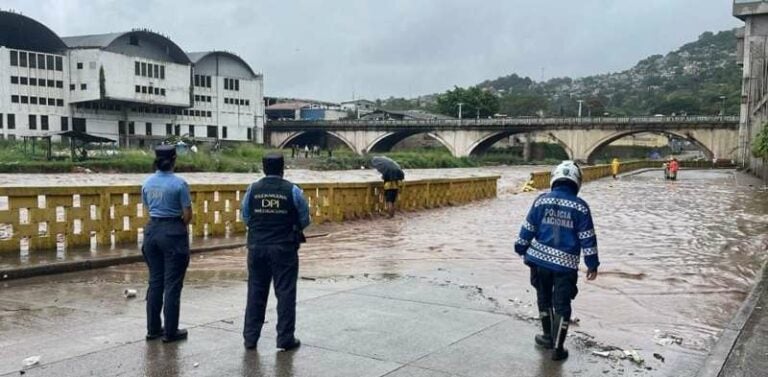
x: 165, y: 219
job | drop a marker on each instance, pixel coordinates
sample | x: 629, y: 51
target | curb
x: 89, y: 264
x: 717, y: 358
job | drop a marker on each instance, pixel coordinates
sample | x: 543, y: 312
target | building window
x: 49, y: 62
x: 148, y: 128
x: 191, y: 131
x: 22, y: 59
x: 137, y: 68
x: 51, y: 84
x: 157, y: 71
x: 197, y: 113
x: 14, y: 58
x: 237, y: 85
x: 32, y: 122
x: 162, y: 92
x: 120, y: 127
x: 78, y: 125
x: 157, y: 91
x: 64, y: 124
x: 213, y: 132
x: 23, y: 80
x: 197, y: 80
x: 60, y: 102
x: 168, y: 129
x: 224, y: 132
x: 144, y: 89
x: 33, y: 100
x: 15, y: 99
x: 247, y: 103
x: 59, y: 84
x: 162, y: 72
x: 207, y: 81
x: 11, y: 121
x: 250, y: 134
x: 144, y: 69
x: 14, y: 79
x: 79, y: 65
x: 44, y: 101
x: 33, y: 60
x: 59, y: 64
x: 33, y: 81
x: 41, y: 62
x: 83, y: 86
x: 209, y: 114
x: 177, y: 130
x: 150, y: 90
x: 138, y: 88
x: 226, y: 84
x: 197, y: 98
x: 44, y: 122
x: 226, y: 100
x: 51, y: 101
x: 24, y: 99
x: 131, y: 128
x: 71, y: 86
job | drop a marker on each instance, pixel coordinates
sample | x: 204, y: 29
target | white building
x: 134, y: 87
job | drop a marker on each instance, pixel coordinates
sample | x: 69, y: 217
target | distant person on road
x: 674, y: 166
x: 306, y: 151
x: 556, y: 231
x: 276, y: 214
x: 615, y: 166
x: 166, y: 245
x: 392, y: 183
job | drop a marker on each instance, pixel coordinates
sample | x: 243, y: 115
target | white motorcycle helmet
x: 567, y: 170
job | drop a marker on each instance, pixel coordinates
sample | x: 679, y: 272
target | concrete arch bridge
x: 581, y: 138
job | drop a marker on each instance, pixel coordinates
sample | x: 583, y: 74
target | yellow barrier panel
x: 38, y: 218
x: 590, y: 173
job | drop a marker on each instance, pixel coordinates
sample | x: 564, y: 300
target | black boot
x: 559, y: 331
x: 180, y: 334
x: 545, y: 340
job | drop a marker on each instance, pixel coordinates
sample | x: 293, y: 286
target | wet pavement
x: 434, y: 293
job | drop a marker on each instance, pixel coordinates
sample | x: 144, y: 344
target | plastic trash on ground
x: 30, y: 361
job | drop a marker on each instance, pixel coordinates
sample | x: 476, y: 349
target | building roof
x: 358, y: 101
x: 288, y: 106
x: 198, y: 56
x: 23, y: 33
x: 105, y: 41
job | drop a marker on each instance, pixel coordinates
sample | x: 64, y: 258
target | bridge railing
x: 576, y: 122
x: 38, y: 218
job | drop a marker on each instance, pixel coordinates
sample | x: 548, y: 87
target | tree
x: 760, y: 147
x: 523, y: 105
x: 475, y: 102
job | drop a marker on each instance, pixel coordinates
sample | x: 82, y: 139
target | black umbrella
x: 389, y: 169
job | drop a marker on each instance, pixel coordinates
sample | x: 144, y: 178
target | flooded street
x: 677, y: 258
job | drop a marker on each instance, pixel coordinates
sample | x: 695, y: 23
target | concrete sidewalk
x: 79, y: 324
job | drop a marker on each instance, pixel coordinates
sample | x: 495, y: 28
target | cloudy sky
x: 330, y: 49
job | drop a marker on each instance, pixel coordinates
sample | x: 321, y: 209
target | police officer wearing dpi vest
x: 166, y: 244
x: 557, y: 230
x: 276, y: 213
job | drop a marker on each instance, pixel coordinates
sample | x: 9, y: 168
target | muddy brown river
x: 677, y: 258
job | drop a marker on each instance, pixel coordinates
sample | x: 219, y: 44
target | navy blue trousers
x: 554, y: 289
x: 166, y: 251
x: 268, y: 263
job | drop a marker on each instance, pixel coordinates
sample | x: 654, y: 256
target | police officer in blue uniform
x: 166, y: 244
x: 276, y: 214
x: 556, y: 231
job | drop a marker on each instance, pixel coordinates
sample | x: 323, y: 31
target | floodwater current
x: 677, y: 258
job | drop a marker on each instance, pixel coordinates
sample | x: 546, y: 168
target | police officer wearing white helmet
x: 557, y: 230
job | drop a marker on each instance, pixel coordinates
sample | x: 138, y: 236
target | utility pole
x: 580, y: 103
x: 460, y: 105
x: 722, y: 105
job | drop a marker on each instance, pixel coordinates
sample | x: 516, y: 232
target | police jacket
x: 275, y: 211
x: 557, y: 230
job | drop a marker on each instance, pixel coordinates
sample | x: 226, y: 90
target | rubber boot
x: 545, y: 340
x: 559, y: 331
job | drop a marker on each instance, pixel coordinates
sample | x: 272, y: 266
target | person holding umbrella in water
x: 393, y: 177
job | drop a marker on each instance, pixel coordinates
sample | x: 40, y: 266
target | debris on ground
x: 308, y: 278
x: 229, y: 321
x: 634, y: 356
x: 666, y: 339
x: 30, y: 361
x: 619, y: 354
x: 658, y: 357
x: 130, y: 293
x: 195, y: 365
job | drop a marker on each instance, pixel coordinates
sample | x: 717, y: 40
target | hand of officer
x: 591, y: 274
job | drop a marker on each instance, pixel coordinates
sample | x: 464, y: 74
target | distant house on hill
x: 360, y: 106
x: 404, y: 115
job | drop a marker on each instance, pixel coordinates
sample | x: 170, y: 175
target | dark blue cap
x: 165, y: 151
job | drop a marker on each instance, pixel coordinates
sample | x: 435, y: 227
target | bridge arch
x: 315, y: 137
x: 385, y: 142
x: 485, y: 143
x: 604, y: 142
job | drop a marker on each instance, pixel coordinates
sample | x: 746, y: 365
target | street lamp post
x: 460, y: 104
x: 581, y: 101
